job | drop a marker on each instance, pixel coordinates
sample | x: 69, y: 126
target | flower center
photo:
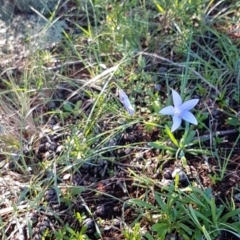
x: 177, y: 111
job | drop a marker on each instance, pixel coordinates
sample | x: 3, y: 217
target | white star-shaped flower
x: 180, y: 111
x: 126, y: 102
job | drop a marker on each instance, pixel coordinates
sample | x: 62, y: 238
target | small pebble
x: 89, y: 223
x: 181, y: 173
x: 55, y: 127
x: 100, y: 211
x: 50, y: 195
x: 167, y: 174
x: 162, y: 69
x: 59, y: 148
x: 157, y: 87
x: 67, y: 176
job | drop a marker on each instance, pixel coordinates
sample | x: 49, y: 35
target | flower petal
x: 126, y: 102
x: 177, y: 100
x: 188, y: 105
x: 122, y: 96
x: 167, y: 110
x: 189, y: 117
x: 130, y: 110
x: 176, y: 123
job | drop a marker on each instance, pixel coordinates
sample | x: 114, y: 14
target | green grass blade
x: 170, y: 134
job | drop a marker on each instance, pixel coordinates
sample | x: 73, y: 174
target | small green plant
x: 133, y: 233
x: 68, y: 233
x: 185, y: 145
x: 192, y: 214
x: 208, y: 218
x: 166, y: 216
x: 224, y: 160
x: 71, y: 109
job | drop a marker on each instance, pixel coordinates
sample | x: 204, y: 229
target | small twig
x: 181, y: 66
x: 218, y: 133
x: 8, y: 210
x: 60, y: 66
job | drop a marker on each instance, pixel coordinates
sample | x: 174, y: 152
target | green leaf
x: 182, y: 141
x: 206, y: 234
x: 185, y: 228
x: 159, y: 7
x: 70, y: 230
x: 236, y: 225
x: 160, y: 145
x: 143, y: 204
x: 184, y: 161
x: 161, y: 229
x: 232, y: 227
x: 194, y: 217
x: 228, y: 215
x: 201, y: 216
x: 67, y: 107
x: 176, y: 181
x: 214, y: 212
x: 161, y: 203
x: 233, y: 121
x: 197, y: 234
x: 185, y: 237
x: 173, y: 139
x: 192, y: 197
x: 189, y: 137
x: 148, y: 236
x: 194, y: 151
x: 220, y: 211
x: 159, y: 226
x: 83, y: 230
